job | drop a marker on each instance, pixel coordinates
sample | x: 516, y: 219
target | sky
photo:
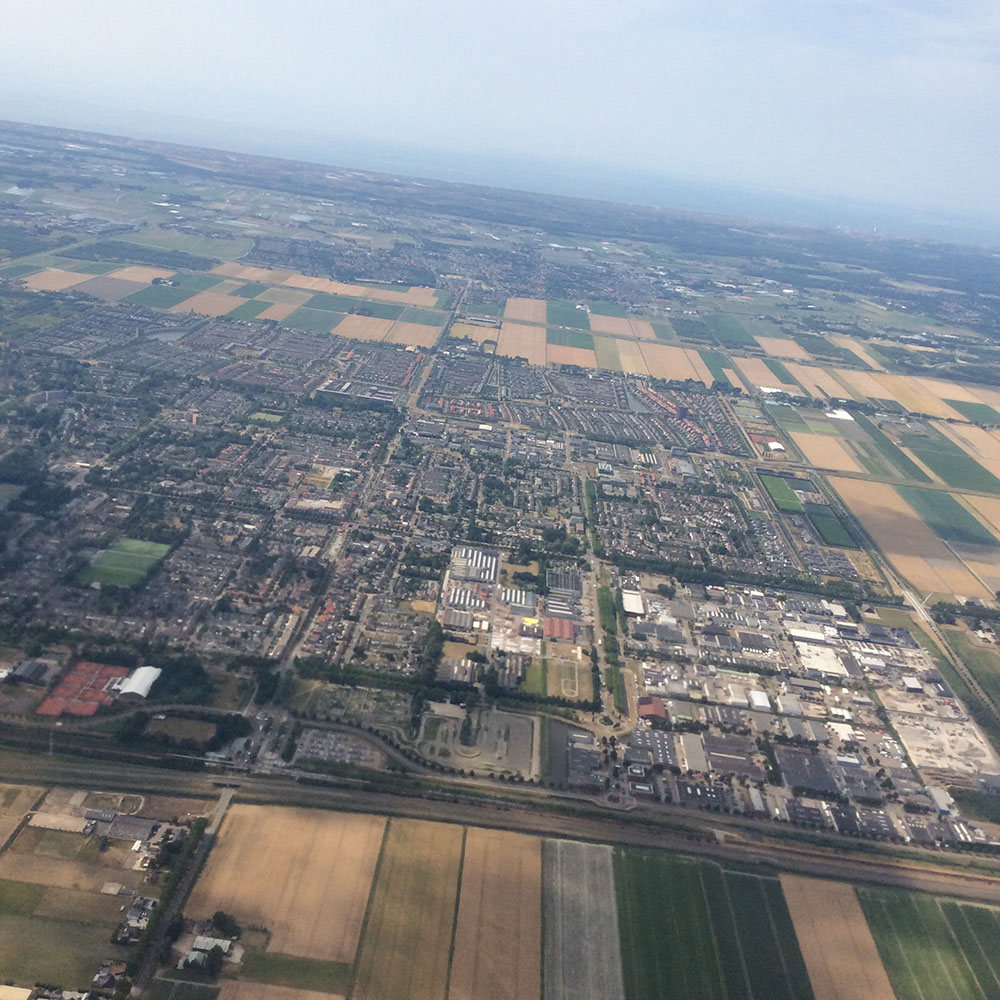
x: 879, y: 102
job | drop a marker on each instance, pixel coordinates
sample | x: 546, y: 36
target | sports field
x: 934, y: 949
x: 497, y: 953
x: 407, y: 942
x: 319, y: 868
x: 690, y: 929
x: 837, y: 946
x: 126, y: 563
x: 781, y: 493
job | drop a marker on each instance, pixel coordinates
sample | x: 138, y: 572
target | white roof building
x: 139, y: 683
x: 632, y: 602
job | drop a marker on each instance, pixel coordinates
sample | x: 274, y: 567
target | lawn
x: 782, y: 494
x: 125, y: 563
x: 570, y: 338
x: 560, y: 312
x: 933, y: 950
x: 978, y: 413
x: 946, y: 517
x: 536, y: 678
x: 160, y: 296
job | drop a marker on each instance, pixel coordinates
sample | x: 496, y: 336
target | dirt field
x: 520, y: 341
x: 916, y: 552
x: 667, y: 362
x: 783, y: 347
x: 53, y: 280
x: 137, y: 272
x: 581, y: 946
x: 528, y: 310
x: 61, y: 873
x: 364, y: 327
x: 470, y: 331
x: 407, y: 941
x: 838, y: 948
x: 499, y: 935
x: 319, y: 872
x: 258, y: 991
x: 208, y: 304
x: 15, y: 801
x: 556, y: 354
x: 412, y: 334
x: 818, y: 382
x: 757, y: 373
x: 619, y: 326
x: 109, y: 289
x: 826, y: 452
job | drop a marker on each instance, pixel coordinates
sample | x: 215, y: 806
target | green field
x: 265, y: 416
x: 931, y: 949
x: 689, y: 929
x: 832, y: 531
x: 691, y: 329
x: 949, y: 462
x: 562, y: 313
x: 665, y: 332
x: 297, y: 973
x: 413, y: 315
x: 160, y: 296
x: 95, y: 267
x: 125, y: 564
x: 229, y: 248
x: 347, y: 304
x: 982, y: 661
x: 536, y: 678
x: 946, y: 517
x: 889, y: 450
x: 978, y: 413
x: 251, y: 289
x: 729, y: 331
x: 248, y: 310
x: 606, y: 349
x: 782, y: 494
x: 786, y: 416
x: 570, y: 338
x: 19, y: 270
x: 316, y: 320
x: 608, y: 309
x: 780, y: 372
x: 175, y: 989
x: 716, y: 363
x: 195, y: 282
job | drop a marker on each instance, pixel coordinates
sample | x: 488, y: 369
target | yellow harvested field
x: 757, y: 373
x: 916, y: 395
x: 783, y: 347
x: 139, y: 273
x: 631, y: 357
x: 642, y: 329
x: 278, y: 311
x: 557, y: 354
x: 862, y: 384
x: 988, y: 509
x: 520, y: 341
x: 856, y: 348
x: 417, y: 296
x: 667, y: 362
x: 470, y: 331
x: 363, y: 327
x: 838, y: 948
x: 232, y: 990
x: 281, y: 294
x: 826, y: 452
x: 699, y: 366
x: 733, y: 376
x: 208, y: 304
x: 499, y: 933
x: 319, y: 869
x: 54, y: 280
x: 15, y: 801
x: 412, y: 334
x: 526, y: 310
x: 618, y: 326
x: 21, y: 866
x: 913, y: 549
x: 818, y: 382
x: 407, y: 942
x: 233, y: 269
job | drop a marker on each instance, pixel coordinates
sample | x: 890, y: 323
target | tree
x: 225, y: 924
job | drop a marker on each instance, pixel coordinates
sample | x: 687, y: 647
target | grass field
x: 161, y: 296
x: 717, y: 363
x: 729, y: 331
x: 563, y: 313
x: 934, y: 950
x: 408, y: 931
x: 983, y: 661
x: 249, y: 310
x: 608, y: 309
x: 15, y: 801
x: 194, y: 282
x: 315, y: 320
x: 946, y: 517
x: 832, y: 531
x: 780, y: 372
x: 782, y: 494
x: 176, y: 989
x: 125, y: 563
x: 889, y: 450
x: 298, y: 973
x: 950, y: 463
x: 978, y: 413
x: 570, y: 338
x: 228, y: 248
x: 689, y: 929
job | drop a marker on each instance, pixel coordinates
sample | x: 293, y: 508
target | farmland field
x: 520, y: 341
x: 570, y: 338
x: 320, y: 868
x: 837, y: 946
x: 946, y: 517
x: 581, y: 951
x: 950, y: 462
x: 891, y: 451
x: 258, y: 991
x: 978, y: 413
x: 15, y: 801
x: 405, y: 951
x: 126, y: 563
x: 934, y: 950
x: 160, y: 296
x: 565, y: 313
x: 825, y: 451
x: 781, y: 493
x: 497, y: 953
x: 526, y: 310
x: 729, y: 330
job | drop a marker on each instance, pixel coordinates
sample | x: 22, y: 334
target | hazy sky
x: 889, y: 101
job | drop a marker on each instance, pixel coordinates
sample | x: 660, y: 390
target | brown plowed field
x: 304, y: 874
x: 617, y: 325
x: 499, y: 936
x: 364, y: 327
x: 109, y: 289
x: 53, y: 280
x: 258, y: 991
x: 405, y: 952
x: 783, y: 347
x: 826, y: 452
x: 208, y: 304
x: 526, y: 310
x: 839, y: 950
x: 557, y: 354
x: 520, y: 341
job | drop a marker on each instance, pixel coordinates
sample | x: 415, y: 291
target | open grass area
x: 316, y: 320
x: 946, y: 517
x: 298, y: 973
x: 934, y: 950
x: 559, y: 312
x: 228, y: 248
x: 570, y: 338
x: 781, y: 373
x: 689, y: 929
x: 161, y: 296
x: 125, y: 563
x: 832, y: 531
x: 248, y: 310
x: 782, y: 494
x: 982, y: 661
x: 608, y: 309
x: 422, y: 316
x: 729, y: 331
x: 195, y: 282
x: 536, y: 677
x: 949, y: 462
x: 978, y: 413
